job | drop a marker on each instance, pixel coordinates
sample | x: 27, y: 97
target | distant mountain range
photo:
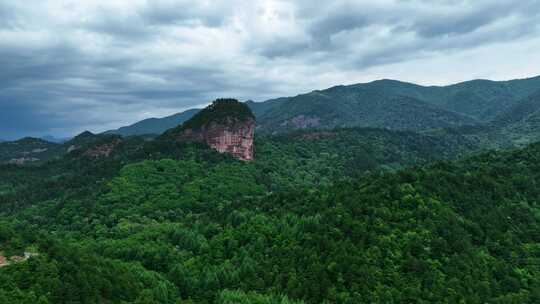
x: 154, y: 125
x: 28, y: 149
x: 387, y: 104
x: 490, y: 114
x: 53, y: 139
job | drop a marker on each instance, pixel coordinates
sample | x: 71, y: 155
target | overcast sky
x: 67, y: 66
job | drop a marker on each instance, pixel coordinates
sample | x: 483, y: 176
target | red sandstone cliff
x: 226, y: 125
x: 234, y: 137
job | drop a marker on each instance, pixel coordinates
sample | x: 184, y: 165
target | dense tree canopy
x: 325, y: 218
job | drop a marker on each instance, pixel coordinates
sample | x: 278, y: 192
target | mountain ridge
x: 154, y: 125
x: 473, y: 102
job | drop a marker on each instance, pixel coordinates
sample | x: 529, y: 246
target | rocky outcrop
x: 235, y: 137
x: 103, y: 150
x: 227, y: 126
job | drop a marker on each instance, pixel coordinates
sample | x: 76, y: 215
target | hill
x: 35, y: 150
x: 27, y: 150
x: 53, y: 139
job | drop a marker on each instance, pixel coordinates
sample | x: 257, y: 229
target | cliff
x: 226, y: 125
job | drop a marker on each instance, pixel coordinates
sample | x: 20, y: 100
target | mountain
x: 226, y: 125
x: 27, y: 150
x: 36, y: 150
x: 520, y: 112
x: 53, y: 139
x: 154, y: 125
x: 82, y: 139
x: 483, y: 100
x: 356, y: 106
x: 388, y: 104
x: 521, y: 123
x: 395, y: 105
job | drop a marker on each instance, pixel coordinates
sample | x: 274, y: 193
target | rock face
x: 103, y: 150
x: 227, y: 126
x: 235, y: 138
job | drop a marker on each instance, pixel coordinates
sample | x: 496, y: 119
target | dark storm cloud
x: 67, y: 66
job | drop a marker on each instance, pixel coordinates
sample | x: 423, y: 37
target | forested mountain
x: 483, y: 99
x: 509, y: 118
x: 35, y: 150
x: 521, y: 122
x: 396, y: 105
x: 172, y: 222
x: 26, y: 150
x: 53, y: 139
x: 518, y: 126
x: 154, y: 125
x: 387, y: 104
x: 357, y: 106
x: 520, y: 112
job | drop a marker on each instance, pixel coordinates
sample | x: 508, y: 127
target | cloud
x: 72, y: 65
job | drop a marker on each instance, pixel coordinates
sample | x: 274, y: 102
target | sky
x: 72, y: 65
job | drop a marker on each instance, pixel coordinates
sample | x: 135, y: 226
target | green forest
x: 391, y: 218
x: 269, y: 152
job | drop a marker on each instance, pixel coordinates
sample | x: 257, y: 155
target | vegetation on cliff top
x: 220, y: 111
